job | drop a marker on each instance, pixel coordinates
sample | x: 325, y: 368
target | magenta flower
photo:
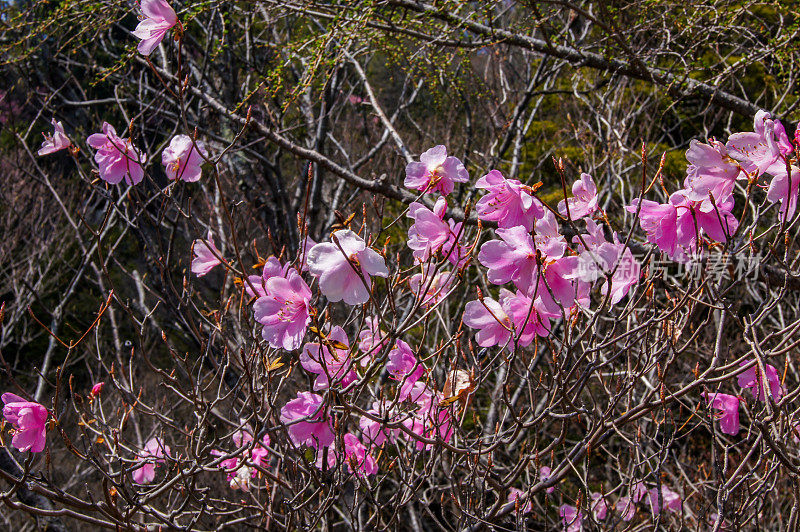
x: 97, y: 389
x: 29, y: 420
x: 284, y: 311
x: 784, y: 189
x: 429, y: 232
x: 371, y: 339
x: 57, y: 142
x: 508, y: 202
x: 402, y: 366
x: 159, y: 18
x: 493, y: 324
x: 435, y: 172
x: 358, y: 459
x: 583, y: 201
x: 153, y: 454
x: 272, y: 268
x: 764, y: 147
x: 329, y: 360
x: 672, y: 501
x: 516, y: 497
x: 307, y: 421
x: 571, y: 519
x: 545, y: 473
x: 511, y: 259
x: 752, y: 379
x: 626, y: 507
x: 373, y: 431
x: 206, y: 256
x: 183, y: 158
x: 728, y: 406
x: 599, y: 506
x: 338, y: 264
x: 431, y: 289
x: 660, y: 222
x: 711, y: 170
x: 117, y: 158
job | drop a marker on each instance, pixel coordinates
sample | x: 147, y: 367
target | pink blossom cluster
x: 703, y: 209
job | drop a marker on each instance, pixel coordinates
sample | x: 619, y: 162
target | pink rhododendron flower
x: 373, y: 431
x: 626, y: 507
x: 338, y: 267
x: 307, y: 421
x: 29, y: 420
x: 599, y: 506
x: 117, y: 158
x: 765, y: 146
x: 57, y: 142
x: 508, y: 202
x: 429, y: 232
x: 358, y: 459
x: 435, y: 171
x: 329, y: 360
x: 206, y: 256
x: 257, y: 284
x: 783, y: 189
x: 159, y: 18
x: 284, y: 311
x: 513, y: 258
x: 371, y: 338
x: 603, y: 257
x: 545, y: 473
x: 515, y: 313
x: 429, y: 420
x: 752, y: 379
x: 402, y: 366
x: 97, y: 389
x: 711, y: 170
x: 515, y: 496
x: 153, y: 454
x: 728, y: 406
x: 431, y: 288
x: 571, y: 519
x: 672, y: 501
x: 182, y: 159
x: 583, y: 201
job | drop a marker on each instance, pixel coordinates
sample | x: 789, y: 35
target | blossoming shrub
x: 455, y: 362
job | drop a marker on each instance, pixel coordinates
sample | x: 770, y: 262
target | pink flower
x: 583, y: 201
x: 429, y: 232
x: 672, y: 501
x: 57, y: 142
x: 511, y: 259
x: 752, y: 379
x: 493, y: 324
x: 183, y: 158
x: 784, y: 189
x: 284, y: 310
x: 402, y: 366
x: 97, y: 389
x: 659, y: 221
x: 117, y: 158
x: 373, y: 431
x: 153, y: 453
x: 159, y: 18
x: 508, y: 202
x: 599, y: 506
x: 371, y: 339
x: 711, y: 170
x: 545, y: 473
x: 338, y: 264
x: 429, y: 420
x: 259, y: 453
x: 761, y: 149
x: 429, y: 288
x: 329, y: 360
x: 626, y: 507
x: 206, y: 256
x: 29, y: 420
x: 307, y: 421
x: 515, y: 496
x: 728, y: 405
x: 272, y: 268
x: 435, y: 172
x: 358, y: 459
x: 570, y: 518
